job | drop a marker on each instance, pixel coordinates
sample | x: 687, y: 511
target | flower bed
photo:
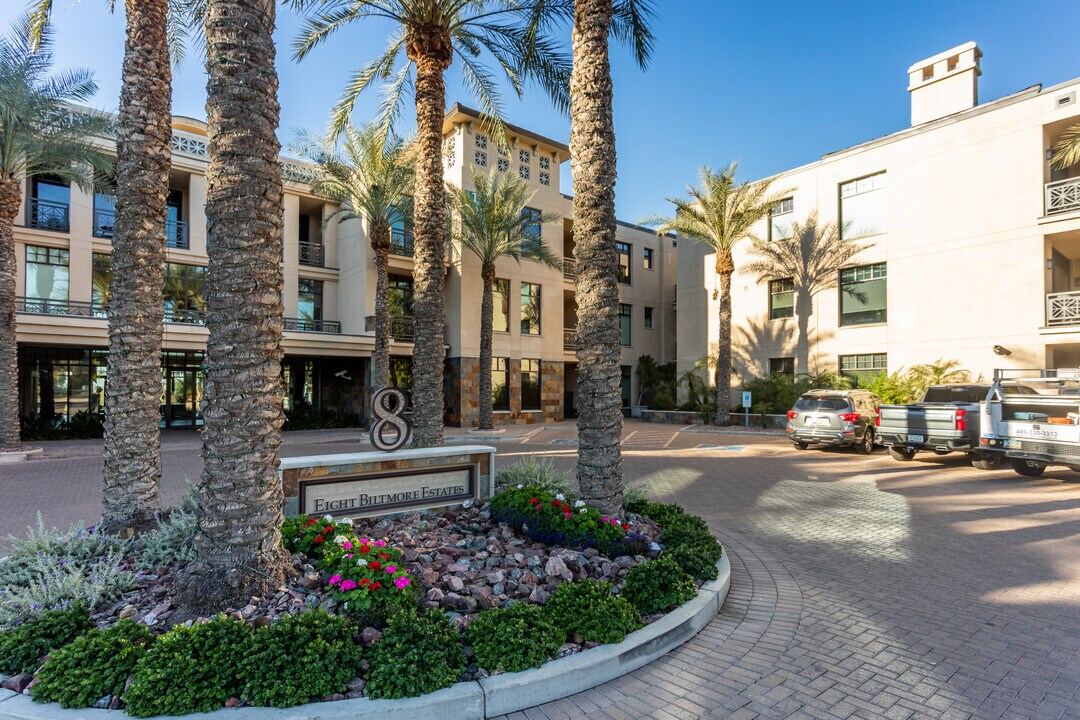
x: 390, y: 608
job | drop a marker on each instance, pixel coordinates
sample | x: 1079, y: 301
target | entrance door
x: 182, y: 397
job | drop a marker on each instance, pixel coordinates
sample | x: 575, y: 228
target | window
x: 309, y: 300
x: 781, y: 298
x: 183, y: 293
x: 401, y: 236
x: 624, y: 262
x: 780, y: 216
x: 56, y: 383
x: 647, y: 255
x: 400, y: 295
x: 524, y: 157
x: 501, y: 298
x: 104, y: 214
x: 863, y: 295
x: 530, y: 384
x: 175, y: 229
x: 531, y: 231
x: 504, y: 164
x: 50, y: 199
x: 480, y: 158
x: 624, y: 384
x: 500, y: 383
x: 861, y: 367
x: 481, y: 141
x: 545, y: 178
x: 523, y: 172
x: 449, y: 151
x: 862, y: 207
x: 782, y: 366
x: 46, y: 275
x: 545, y: 162
x: 101, y: 282
x: 648, y: 318
x: 625, y: 315
x: 530, y: 308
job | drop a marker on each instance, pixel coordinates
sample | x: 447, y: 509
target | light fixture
x: 1049, y: 263
x: 999, y: 350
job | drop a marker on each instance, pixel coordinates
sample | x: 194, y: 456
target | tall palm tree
x: 371, y: 178
x: 490, y: 222
x: 811, y: 256
x: 592, y: 162
x: 238, y: 547
x: 720, y: 212
x: 38, y: 136
x: 132, y: 456
x: 432, y: 34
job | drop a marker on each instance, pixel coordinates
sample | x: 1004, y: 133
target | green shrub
x: 686, y: 538
x: 172, y: 541
x: 299, y: 658
x: 589, y: 609
x: 95, y: 665
x: 528, y: 472
x: 658, y: 585
x: 659, y: 513
x: 896, y: 388
x: 515, y: 638
x: 22, y: 648
x: 190, y: 669
x: 634, y: 496
x: 418, y: 654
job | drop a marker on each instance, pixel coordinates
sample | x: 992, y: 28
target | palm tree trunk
x: 431, y: 53
x: 380, y: 356
x: 9, y: 371
x: 239, y: 551
x: 487, y: 314
x: 592, y: 152
x: 723, y: 351
x: 133, y: 379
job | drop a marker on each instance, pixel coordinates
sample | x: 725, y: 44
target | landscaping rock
x: 356, y: 685
x: 369, y: 637
x: 103, y: 703
x: 17, y: 683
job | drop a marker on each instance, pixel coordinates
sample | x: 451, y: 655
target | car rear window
x: 959, y: 394
x: 814, y: 403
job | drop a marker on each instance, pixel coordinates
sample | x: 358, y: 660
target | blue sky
x: 773, y: 85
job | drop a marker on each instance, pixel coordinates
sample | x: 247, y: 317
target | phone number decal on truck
x: 1034, y: 431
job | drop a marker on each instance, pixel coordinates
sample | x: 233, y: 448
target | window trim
x: 539, y: 384
x: 539, y: 305
x: 495, y: 295
x: 648, y: 257
x: 619, y: 245
x: 871, y: 370
x: 629, y: 315
x: 840, y: 205
x: 648, y: 320
x: 773, y: 294
x: 840, y: 294
x: 506, y: 376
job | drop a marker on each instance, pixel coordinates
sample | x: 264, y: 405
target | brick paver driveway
x: 861, y: 587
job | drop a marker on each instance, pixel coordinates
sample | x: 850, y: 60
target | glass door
x: 183, y: 393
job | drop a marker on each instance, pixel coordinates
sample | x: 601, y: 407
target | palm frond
x: 1067, y: 148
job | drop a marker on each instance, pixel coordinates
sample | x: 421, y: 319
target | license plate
x: 1012, y: 444
x: 916, y: 438
x: 817, y: 421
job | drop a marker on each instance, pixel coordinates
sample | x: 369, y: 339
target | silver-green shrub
x: 537, y: 473
x: 172, y: 542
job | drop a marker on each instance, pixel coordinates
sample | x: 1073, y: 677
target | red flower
x: 566, y: 508
x: 328, y: 529
x: 534, y: 500
x: 384, y: 556
x: 625, y: 527
x: 376, y: 586
x: 365, y: 581
x: 375, y: 565
x: 310, y: 522
x: 556, y: 503
x: 318, y: 539
x: 364, y: 549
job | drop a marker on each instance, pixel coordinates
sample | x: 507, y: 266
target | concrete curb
x: 496, y: 695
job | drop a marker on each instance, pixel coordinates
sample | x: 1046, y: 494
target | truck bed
x: 929, y: 426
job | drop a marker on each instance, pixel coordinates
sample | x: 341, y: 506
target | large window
x: 309, y: 302
x: 648, y: 318
x: 175, y: 229
x: 530, y: 384
x: 647, y: 256
x: 780, y: 217
x: 626, y: 313
x: 863, y: 295
x: 101, y: 282
x: 782, y: 366
x: 50, y: 202
x: 46, y: 275
x: 104, y: 214
x: 862, y: 206
x: 400, y: 294
x: 624, y: 262
x: 401, y: 236
x: 530, y: 308
x: 56, y: 383
x: 624, y: 384
x: 183, y: 293
x: 500, y: 383
x: 781, y: 298
x: 531, y: 231
x: 861, y: 367
x: 501, y: 302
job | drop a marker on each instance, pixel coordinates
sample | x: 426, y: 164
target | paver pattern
x: 861, y: 587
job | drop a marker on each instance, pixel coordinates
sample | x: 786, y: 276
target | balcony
x: 311, y: 254
x: 307, y: 325
x: 401, y: 243
x: 569, y: 268
x: 1063, y: 309
x: 48, y: 215
x: 70, y: 308
x: 401, y: 328
x: 569, y: 339
x: 176, y: 231
x: 1062, y: 196
x: 184, y: 316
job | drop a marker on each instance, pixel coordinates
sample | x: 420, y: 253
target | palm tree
x: 720, y: 212
x: 238, y: 547
x: 38, y: 135
x: 491, y: 223
x: 592, y: 162
x: 431, y: 34
x: 143, y: 159
x: 371, y: 177
x: 811, y: 256
x: 1067, y: 148
x: 939, y: 372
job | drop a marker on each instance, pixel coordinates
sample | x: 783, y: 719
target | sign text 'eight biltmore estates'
x: 387, y: 492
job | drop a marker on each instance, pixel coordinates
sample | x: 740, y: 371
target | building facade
x: 63, y: 246
x: 970, y: 243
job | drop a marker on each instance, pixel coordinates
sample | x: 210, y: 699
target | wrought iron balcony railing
x: 184, y: 316
x: 401, y: 328
x: 306, y: 325
x: 311, y: 254
x: 48, y: 215
x: 48, y: 306
x: 176, y: 231
x: 104, y: 220
x: 401, y: 243
x: 569, y: 339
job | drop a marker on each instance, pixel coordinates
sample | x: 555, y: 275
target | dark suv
x: 834, y: 417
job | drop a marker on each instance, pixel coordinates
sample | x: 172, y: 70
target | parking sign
x: 746, y: 399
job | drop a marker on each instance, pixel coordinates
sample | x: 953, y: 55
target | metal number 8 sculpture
x: 387, y: 405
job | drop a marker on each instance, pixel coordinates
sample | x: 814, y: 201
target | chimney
x: 945, y: 84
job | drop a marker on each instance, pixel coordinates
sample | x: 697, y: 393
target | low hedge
x: 590, y: 609
x: 419, y: 654
x: 97, y: 664
x: 658, y: 585
x: 22, y: 647
x: 515, y: 638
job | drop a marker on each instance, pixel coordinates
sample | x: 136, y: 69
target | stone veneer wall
x: 462, y: 386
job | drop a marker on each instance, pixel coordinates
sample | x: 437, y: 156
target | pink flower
x: 566, y: 515
x: 402, y: 582
x: 347, y: 585
x: 348, y: 555
x: 380, y: 543
x: 347, y: 545
x: 335, y: 579
x: 603, y: 519
x: 391, y: 569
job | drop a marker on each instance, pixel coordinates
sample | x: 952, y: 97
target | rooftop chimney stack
x: 944, y: 84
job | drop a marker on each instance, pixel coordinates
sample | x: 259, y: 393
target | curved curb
x: 10, y: 458
x: 474, y: 700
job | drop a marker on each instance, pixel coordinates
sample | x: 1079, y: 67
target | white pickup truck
x: 1034, y: 431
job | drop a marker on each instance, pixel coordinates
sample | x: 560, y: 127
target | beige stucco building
x: 971, y: 242
x: 63, y: 242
